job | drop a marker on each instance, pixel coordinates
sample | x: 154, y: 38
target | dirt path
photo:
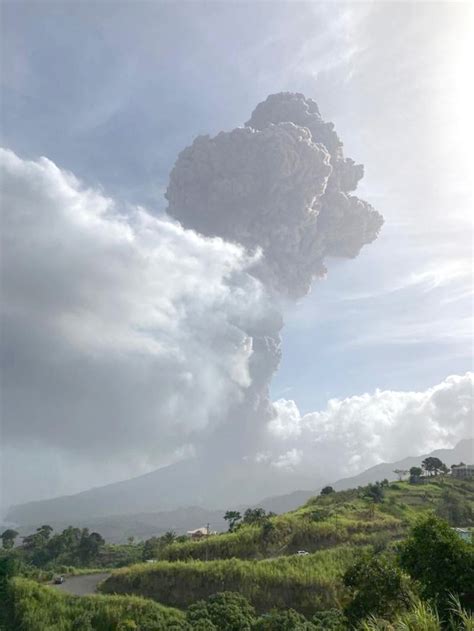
x: 82, y: 585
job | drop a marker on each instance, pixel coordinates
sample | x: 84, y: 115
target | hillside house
x: 463, y: 472
x: 201, y: 533
x: 463, y: 533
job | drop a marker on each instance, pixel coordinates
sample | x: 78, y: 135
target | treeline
x: 374, y: 514
x: 76, y: 547
x: 425, y: 582
x: 382, y: 584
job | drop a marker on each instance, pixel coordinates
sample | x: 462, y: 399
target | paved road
x: 81, y: 585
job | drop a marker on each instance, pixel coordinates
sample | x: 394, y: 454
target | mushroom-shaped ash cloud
x: 281, y: 184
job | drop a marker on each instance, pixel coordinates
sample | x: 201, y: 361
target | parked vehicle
x: 59, y: 580
x: 302, y: 553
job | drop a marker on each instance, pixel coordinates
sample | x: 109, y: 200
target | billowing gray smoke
x: 155, y: 340
x: 280, y: 184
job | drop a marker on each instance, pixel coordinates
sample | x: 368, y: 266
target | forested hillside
x: 386, y: 550
x: 375, y: 514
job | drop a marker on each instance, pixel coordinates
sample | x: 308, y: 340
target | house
x: 464, y: 533
x: 200, y: 533
x: 463, y: 471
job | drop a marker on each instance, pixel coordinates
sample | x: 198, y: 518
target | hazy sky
x: 113, y: 91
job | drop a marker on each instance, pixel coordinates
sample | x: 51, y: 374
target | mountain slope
x: 187, y: 483
x: 190, y: 483
x: 260, y: 559
x: 463, y: 451
x: 348, y: 517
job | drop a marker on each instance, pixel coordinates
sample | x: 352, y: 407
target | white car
x: 302, y: 553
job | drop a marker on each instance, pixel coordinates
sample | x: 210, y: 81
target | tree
x: 287, y: 620
x: 38, y: 539
x: 233, y: 517
x: 32, y: 542
x: 401, y: 473
x: 268, y: 530
x: 327, y: 490
x: 378, y: 588
x: 8, y: 569
x: 375, y: 492
x: 440, y: 560
x: 225, y: 610
x: 8, y: 537
x: 415, y: 474
x: 150, y: 548
x: 168, y: 538
x: 89, y: 546
x: 330, y: 620
x: 45, y: 530
x: 432, y: 465
x: 254, y: 516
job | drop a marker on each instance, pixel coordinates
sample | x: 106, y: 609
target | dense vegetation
x: 382, y: 557
x: 306, y: 583
x: 376, y: 515
x: 39, y: 608
x: 71, y: 548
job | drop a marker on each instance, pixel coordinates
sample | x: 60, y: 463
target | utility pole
x: 207, y: 540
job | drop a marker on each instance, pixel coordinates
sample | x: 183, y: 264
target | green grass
x: 40, y: 608
x: 424, y: 617
x: 259, y: 562
x: 305, y: 583
x: 291, y: 532
x: 328, y: 521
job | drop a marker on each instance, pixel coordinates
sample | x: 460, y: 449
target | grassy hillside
x: 259, y: 562
x: 306, y: 584
x: 339, y: 518
x: 40, y: 608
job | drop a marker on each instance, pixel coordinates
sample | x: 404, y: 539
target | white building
x: 463, y: 472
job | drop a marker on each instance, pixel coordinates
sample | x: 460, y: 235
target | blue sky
x: 112, y: 91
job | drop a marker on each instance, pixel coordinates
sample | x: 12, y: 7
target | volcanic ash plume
x: 158, y: 341
x: 280, y: 184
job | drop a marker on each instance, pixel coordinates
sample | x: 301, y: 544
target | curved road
x: 82, y: 585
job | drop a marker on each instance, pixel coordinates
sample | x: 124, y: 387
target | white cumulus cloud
x: 357, y: 432
x: 123, y: 333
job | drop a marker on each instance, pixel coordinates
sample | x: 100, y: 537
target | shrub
x: 434, y: 555
x: 225, y: 610
x: 378, y: 588
x: 423, y: 617
x: 455, y: 510
x: 289, y: 620
x: 331, y: 620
